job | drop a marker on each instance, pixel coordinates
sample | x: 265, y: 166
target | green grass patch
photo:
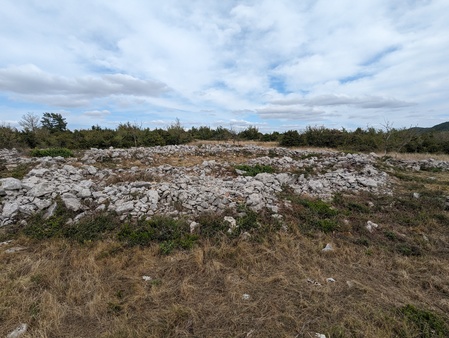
x: 423, y: 323
x: 89, y: 228
x: 18, y: 171
x: 52, y: 152
x: 313, y: 214
x: 255, y: 169
x: 170, y: 233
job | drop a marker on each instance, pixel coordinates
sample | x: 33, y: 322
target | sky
x: 275, y: 65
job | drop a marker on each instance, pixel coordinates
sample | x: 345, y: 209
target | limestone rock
x: 10, y: 209
x: 71, y: 201
x: 10, y: 183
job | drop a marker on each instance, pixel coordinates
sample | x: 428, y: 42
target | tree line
x: 50, y: 131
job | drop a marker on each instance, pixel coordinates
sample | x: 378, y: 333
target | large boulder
x: 10, y: 183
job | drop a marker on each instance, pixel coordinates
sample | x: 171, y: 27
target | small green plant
x: 407, y: 249
x: 18, y: 172
x: 326, y: 225
x: 52, y: 152
x: 390, y: 235
x: 40, y: 228
x: 170, y: 233
x: 114, y: 308
x: 167, y: 247
x: 425, y: 323
x: 255, y: 169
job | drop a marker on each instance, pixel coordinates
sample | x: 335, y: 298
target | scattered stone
x: 245, y: 236
x: 232, y: 223
x: 193, y: 227
x: 50, y: 211
x: 15, y: 249
x: 146, y: 278
x: 18, y: 331
x: 246, y: 296
x: 6, y: 242
x: 311, y: 281
x: 371, y: 226
x: 328, y: 247
x: 416, y: 195
x: 330, y: 280
x: 320, y: 335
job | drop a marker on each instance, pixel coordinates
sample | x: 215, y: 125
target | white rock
x: 84, y: 193
x: 42, y: 204
x: 245, y: 236
x: 146, y: 278
x: 330, y: 280
x: 50, y: 211
x: 10, y: 183
x: 41, y: 189
x: 265, y: 178
x: 15, y: 249
x: 416, y: 195
x: 193, y: 227
x: 153, y: 196
x: 6, y: 242
x: 125, y: 207
x: 320, y: 335
x: 9, y: 209
x: 39, y: 172
x: 18, y: 331
x: 328, y: 247
x: 232, y: 223
x: 367, y: 182
x: 370, y: 226
x: 71, y: 202
x: 246, y: 296
x: 315, y: 185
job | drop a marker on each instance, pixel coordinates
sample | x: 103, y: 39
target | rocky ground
x: 184, y: 180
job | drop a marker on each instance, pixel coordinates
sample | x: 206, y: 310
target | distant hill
x: 439, y: 127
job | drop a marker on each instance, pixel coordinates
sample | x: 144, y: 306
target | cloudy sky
x: 276, y: 65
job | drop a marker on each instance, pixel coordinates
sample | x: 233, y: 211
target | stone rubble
x: 87, y: 184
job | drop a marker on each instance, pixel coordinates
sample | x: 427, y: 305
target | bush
x: 290, y: 138
x: 255, y: 169
x: 170, y: 233
x: 425, y: 323
x: 52, y: 152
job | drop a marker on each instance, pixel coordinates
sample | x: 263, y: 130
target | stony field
x: 223, y: 240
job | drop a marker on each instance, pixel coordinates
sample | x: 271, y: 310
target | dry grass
x: 65, y: 290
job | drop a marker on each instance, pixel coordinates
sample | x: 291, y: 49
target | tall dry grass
x: 63, y: 289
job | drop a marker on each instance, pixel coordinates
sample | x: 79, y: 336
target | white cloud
x: 97, y: 113
x: 333, y: 62
x: 30, y: 82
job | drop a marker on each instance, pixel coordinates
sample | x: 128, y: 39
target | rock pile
x: 86, y: 184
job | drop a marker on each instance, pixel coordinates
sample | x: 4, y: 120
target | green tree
x: 54, y: 122
x: 250, y: 133
x: 290, y: 138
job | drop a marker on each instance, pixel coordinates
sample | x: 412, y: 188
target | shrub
x: 255, y: 169
x: 170, y: 233
x: 425, y: 323
x: 52, y: 152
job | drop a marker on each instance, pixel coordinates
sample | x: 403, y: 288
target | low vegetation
x: 51, y: 152
x: 253, y: 170
x: 51, y: 131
